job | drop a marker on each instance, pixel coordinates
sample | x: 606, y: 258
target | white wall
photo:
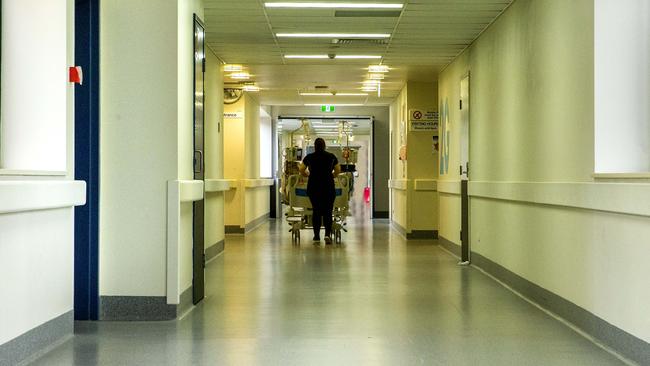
x: 532, y: 130
x: 36, y: 247
x: 266, y: 147
x: 139, y: 139
x: 34, y: 100
x: 622, y: 86
x: 37, y: 269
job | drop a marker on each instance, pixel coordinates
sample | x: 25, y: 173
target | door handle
x: 198, y: 161
x: 465, y: 171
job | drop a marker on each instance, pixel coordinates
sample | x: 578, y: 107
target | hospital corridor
x: 334, y: 182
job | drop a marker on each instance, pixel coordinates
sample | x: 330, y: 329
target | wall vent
x: 360, y: 41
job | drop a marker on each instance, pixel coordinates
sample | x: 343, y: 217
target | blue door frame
x: 86, y: 240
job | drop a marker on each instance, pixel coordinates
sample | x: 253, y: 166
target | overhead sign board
x: 423, y: 119
x: 328, y: 108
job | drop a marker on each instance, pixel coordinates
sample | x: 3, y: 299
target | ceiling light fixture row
x: 376, y: 73
x: 331, y: 94
x: 334, y: 35
x: 328, y: 5
x: 336, y: 57
x: 238, y: 72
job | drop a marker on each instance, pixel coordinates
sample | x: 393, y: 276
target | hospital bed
x: 299, y: 214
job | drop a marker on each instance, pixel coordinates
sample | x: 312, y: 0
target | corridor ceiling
x: 424, y: 37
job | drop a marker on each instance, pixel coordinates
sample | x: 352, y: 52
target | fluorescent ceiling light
x: 356, y: 56
x: 371, y: 83
x: 337, y: 56
x: 369, y: 89
x: 323, y: 5
x: 352, y: 94
x: 376, y: 76
x: 306, y: 56
x: 233, y: 68
x: 251, y: 88
x: 240, y: 75
x: 378, y: 68
x: 333, y: 35
x: 316, y: 94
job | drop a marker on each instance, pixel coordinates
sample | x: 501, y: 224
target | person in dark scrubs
x: 321, y: 167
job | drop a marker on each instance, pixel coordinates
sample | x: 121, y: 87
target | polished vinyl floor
x: 376, y: 300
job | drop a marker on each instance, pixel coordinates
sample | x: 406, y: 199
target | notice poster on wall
x: 424, y: 119
x: 233, y: 115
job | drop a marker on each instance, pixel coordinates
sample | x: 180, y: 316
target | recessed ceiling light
x: 322, y: 5
x: 333, y: 35
x: 352, y: 94
x: 376, y: 76
x: 233, y: 68
x: 240, y: 75
x: 378, y: 68
x: 251, y: 88
x: 306, y: 56
x: 356, y: 56
x: 369, y: 89
x: 371, y: 83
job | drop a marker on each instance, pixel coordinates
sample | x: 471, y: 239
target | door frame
x: 371, y: 148
x: 198, y: 209
x: 465, y: 123
x: 86, y: 161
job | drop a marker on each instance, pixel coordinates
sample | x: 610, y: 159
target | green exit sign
x: 327, y: 108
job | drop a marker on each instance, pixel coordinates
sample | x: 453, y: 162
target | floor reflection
x: 375, y: 300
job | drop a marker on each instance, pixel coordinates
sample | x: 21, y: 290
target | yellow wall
x: 449, y: 180
x: 234, y: 161
x: 398, y: 137
x: 242, y: 162
x: 532, y: 121
x: 214, y: 157
x: 410, y: 208
x: 422, y: 163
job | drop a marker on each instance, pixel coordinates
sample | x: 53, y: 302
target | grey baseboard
x: 400, y: 229
x: 136, y: 308
x: 234, y: 229
x: 380, y: 215
x: 617, y: 339
x: 37, y: 341
x: 186, y: 301
x: 256, y: 223
x: 415, y: 234
x: 449, y: 245
x: 422, y: 235
x: 214, y: 250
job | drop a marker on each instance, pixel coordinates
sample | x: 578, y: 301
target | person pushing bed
x: 321, y: 167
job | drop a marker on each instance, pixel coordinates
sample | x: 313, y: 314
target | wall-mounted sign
x: 426, y: 119
x: 233, y: 115
x: 328, y: 108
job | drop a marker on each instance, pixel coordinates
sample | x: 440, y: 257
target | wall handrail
x: 21, y: 196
